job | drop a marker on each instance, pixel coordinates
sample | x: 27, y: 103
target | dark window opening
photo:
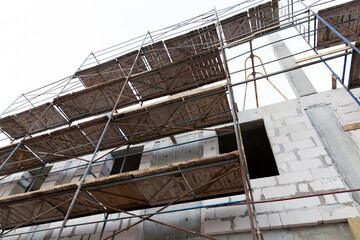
x: 259, y: 156
x: 38, y: 177
x: 123, y: 163
x: 226, y: 140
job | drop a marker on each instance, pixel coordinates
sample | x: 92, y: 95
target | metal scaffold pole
x: 87, y: 171
x: 243, y: 165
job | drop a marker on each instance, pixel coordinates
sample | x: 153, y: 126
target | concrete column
x: 298, y: 80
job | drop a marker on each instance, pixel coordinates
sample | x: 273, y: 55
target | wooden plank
x: 98, y: 74
x: 264, y: 16
x: 127, y: 61
x: 195, y: 42
x: 323, y: 54
x: 136, y: 123
x: 333, y: 81
x: 138, y: 194
x: 354, y: 224
x: 355, y: 69
x: 344, y: 18
x: 236, y: 27
x: 19, y: 124
x: 350, y: 127
x: 156, y: 55
x: 180, y: 76
x: 111, y: 70
x: 95, y: 100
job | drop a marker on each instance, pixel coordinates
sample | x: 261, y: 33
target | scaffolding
x: 163, y: 83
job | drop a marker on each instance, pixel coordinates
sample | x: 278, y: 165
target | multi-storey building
x: 147, y: 140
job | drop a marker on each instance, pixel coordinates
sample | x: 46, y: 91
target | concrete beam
x: 298, y: 80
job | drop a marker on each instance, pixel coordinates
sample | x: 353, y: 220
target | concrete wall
x: 309, y: 159
x: 306, y: 165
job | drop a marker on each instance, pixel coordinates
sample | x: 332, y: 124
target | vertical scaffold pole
x: 97, y: 147
x: 243, y: 166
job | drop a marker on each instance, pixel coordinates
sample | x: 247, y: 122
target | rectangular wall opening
x: 129, y: 163
x: 259, y: 156
x: 38, y: 177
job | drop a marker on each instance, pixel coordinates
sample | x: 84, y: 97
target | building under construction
x: 154, y: 138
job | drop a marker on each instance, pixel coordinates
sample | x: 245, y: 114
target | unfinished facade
x: 149, y: 139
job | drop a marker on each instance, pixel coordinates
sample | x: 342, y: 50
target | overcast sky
x: 43, y: 41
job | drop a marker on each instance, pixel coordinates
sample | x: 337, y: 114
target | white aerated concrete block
x: 279, y: 191
x: 338, y: 214
x: 300, y: 218
x: 291, y: 112
x: 329, y: 199
x: 216, y: 227
x: 293, y: 128
x: 305, y: 164
x: 85, y: 229
x: 285, y: 157
x: 328, y: 172
x: 347, y: 108
x: 210, y: 147
x: 112, y: 226
x: 309, y: 202
x: 270, y: 207
x: 274, y: 220
x: 242, y: 224
x: 301, y: 144
x: 312, y: 152
x: 230, y: 211
x: 208, y: 213
x: 131, y: 234
x: 351, y: 117
x: 263, y: 221
x: 279, y: 140
x: 344, y: 198
x: 327, y: 184
x: 263, y: 182
x: 295, y: 177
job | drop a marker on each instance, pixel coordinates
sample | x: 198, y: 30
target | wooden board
x: 264, y: 16
x: 177, y: 77
x: 344, y: 18
x: 350, y: 127
x: 16, y: 163
x: 236, y: 27
x: 178, y: 114
x: 19, y: 124
x: 156, y: 55
x: 101, y: 73
x: 355, y: 69
x: 180, y: 76
x: 114, y: 69
x: 197, y: 109
x: 354, y: 224
x: 94, y: 100
x: 128, y: 191
x: 60, y: 144
x: 196, y: 42
x: 127, y: 61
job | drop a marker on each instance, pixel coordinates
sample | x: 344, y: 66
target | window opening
x: 258, y: 152
x: 123, y: 163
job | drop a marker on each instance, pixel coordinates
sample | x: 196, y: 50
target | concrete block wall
x: 90, y: 231
x: 305, y: 164
x: 75, y: 170
x: 305, y: 167
x: 14, y: 184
